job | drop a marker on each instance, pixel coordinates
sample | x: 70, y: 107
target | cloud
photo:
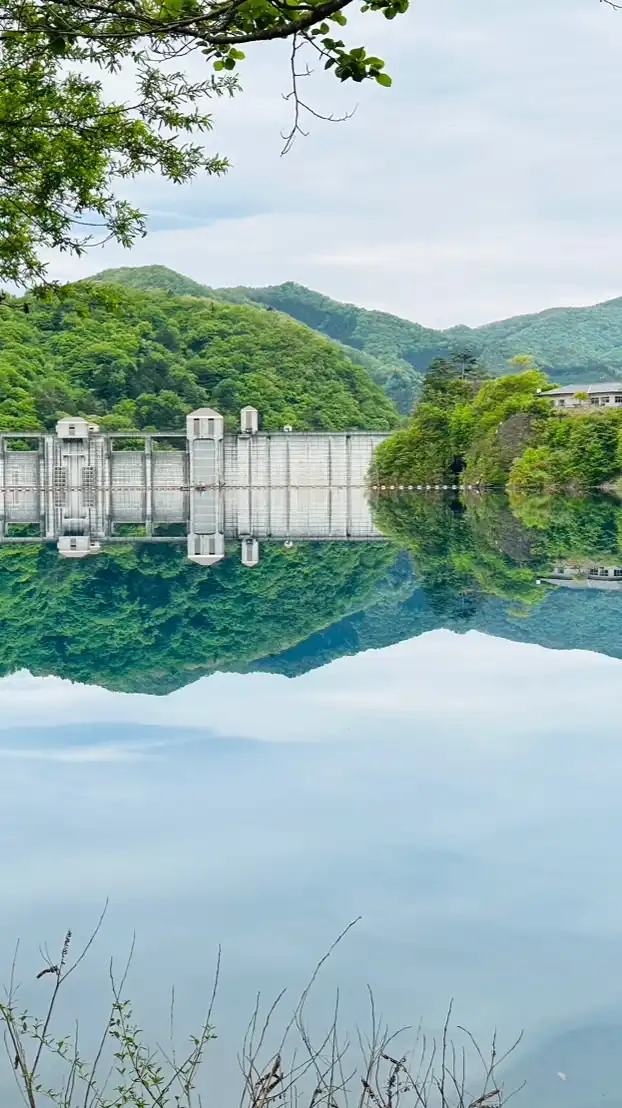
x: 485, y: 183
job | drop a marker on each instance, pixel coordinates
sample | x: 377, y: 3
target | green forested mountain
x: 570, y: 344
x: 148, y: 277
x: 394, y: 374
x: 135, y: 359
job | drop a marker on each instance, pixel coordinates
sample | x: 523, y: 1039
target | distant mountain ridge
x: 571, y: 344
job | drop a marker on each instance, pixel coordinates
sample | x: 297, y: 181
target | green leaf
x: 383, y: 79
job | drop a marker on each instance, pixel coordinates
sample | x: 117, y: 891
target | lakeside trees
x: 464, y: 422
x: 500, y: 433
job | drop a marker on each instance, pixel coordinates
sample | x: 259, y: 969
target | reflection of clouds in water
x: 477, y: 682
x: 471, y: 818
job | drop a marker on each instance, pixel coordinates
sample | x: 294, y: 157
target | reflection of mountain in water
x: 477, y: 567
x: 144, y: 619
x: 564, y: 621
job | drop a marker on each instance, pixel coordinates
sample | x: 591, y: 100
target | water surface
x: 423, y: 733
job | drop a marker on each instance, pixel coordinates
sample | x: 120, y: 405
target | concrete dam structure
x: 80, y: 488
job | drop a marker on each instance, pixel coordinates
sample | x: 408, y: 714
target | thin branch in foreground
x: 300, y: 105
x: 299, y: 1073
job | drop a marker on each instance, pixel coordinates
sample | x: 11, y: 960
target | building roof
x: 591, y: 390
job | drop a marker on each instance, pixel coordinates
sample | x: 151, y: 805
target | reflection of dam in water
x: 80, y: 488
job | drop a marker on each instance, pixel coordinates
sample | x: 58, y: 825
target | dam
x: 81, y: 488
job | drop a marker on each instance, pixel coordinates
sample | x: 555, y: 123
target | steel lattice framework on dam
x: 80, y: 487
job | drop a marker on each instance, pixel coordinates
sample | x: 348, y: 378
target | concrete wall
x: 284, y: 486
x: 298, y: 459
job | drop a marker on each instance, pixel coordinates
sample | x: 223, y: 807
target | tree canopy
x: 456, y: 426
x: 505, y: 433
x: 65, y: 143
x: 144, y: 360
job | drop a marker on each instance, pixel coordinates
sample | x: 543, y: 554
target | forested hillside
x: 570, y: 344
x: 133, y: 359
x: 393, y: 373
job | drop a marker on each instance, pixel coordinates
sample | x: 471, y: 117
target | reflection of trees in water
x: 478, y: 546
x: 142, y: 618
x: 480, y: 573
x: 571, y: 527
x: 463, y: 550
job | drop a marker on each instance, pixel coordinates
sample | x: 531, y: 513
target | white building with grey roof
x: 585, y: 396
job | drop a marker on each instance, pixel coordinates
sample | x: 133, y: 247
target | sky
x: 485, y: 183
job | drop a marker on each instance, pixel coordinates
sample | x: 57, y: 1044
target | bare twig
x: 319, y: 1078
x: 299, y: 105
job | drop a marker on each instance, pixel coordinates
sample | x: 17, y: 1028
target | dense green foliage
x: 63, y: 142
x: 144, y: 359
x: 145, y: 619
x: 393, y: 374
x: 570, y: 344
x: 578, y: 451
x: 503, y: 432
x: 505, y: 416
x: 418, y: 454
x: 461, y: 424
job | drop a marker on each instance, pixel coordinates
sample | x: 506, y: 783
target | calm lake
x: 422, y: 734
